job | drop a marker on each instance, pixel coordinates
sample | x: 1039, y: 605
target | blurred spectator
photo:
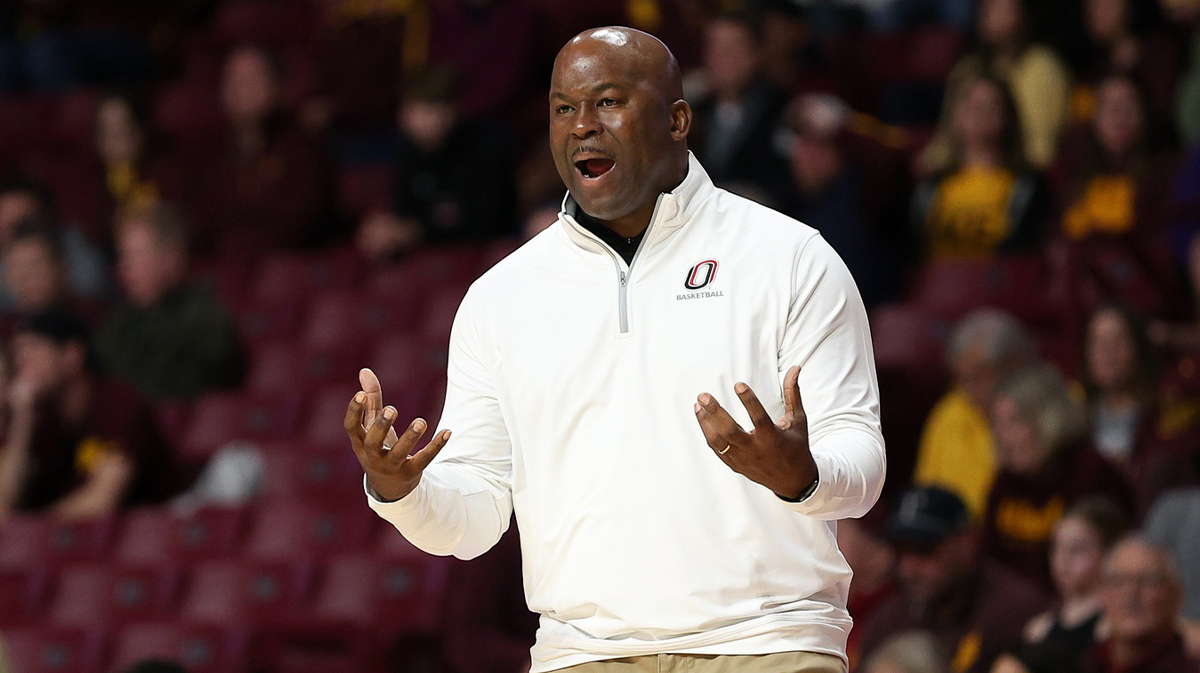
x: 912, y: 652
x: 975, y: 608
x: 981, y: 198
x: 1044, y: 464
x: 488, y: 625
x: 1115, y: 182
x: 1120, y: 382
x: 87, y: 269
x: 133, y: 176
x: 455, y: 177
x: 77, y: 445
x: 830, y: 191
x: 873, y: 561
x: 956, y: 450
x: 1038, y: 79
x: 1187, y: 100
x: 35, y: 274
x: 1174, y: 524
x: 1082, y: 538
x: 1121, y: 40
x: 265, y: 184
x: 170, y: 338
x: 734, y: 123
x: 1142, y: 596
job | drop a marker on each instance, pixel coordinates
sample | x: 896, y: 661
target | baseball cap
x: 926, y: 516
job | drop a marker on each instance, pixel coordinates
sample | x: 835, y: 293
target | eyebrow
x: 596, y: 89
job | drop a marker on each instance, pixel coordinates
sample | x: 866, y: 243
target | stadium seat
x: 441, y: 305
x: 198, y: 648
x: 274, y: 24
x: 29, y: 541
x: 92, y: 594
x: 313, y: 475
x: 75, y: 117
x: 24, y: 120
x: 21, y: 593
x: 245, y: 593
x: 950, y: 289
x: 294, y: 276
x: 402, y: 361
x: 187, y: 108
x: 305, y: 528
x: 54, y: 650
x: 223, y: 418
x: 261, y: 321
x: 907, y: 338
x: 353, y: 318
x: 157, y: 536
x: 394, y: 596
x: 494, y: 252
x: 325, y: 426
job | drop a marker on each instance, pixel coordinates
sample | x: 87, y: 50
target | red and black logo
x: 701, y: 275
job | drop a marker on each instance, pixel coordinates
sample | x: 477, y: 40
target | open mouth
x: 594, y: 168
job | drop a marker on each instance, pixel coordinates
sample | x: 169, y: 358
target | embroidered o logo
x: 701, y: 275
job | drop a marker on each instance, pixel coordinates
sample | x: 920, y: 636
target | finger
x: 378, y: 430
x: 758, y: 415
x: 425, y: 456
x: 791, y: 398
x: 370, y: 385
x: 725, y: 430
x: 408, y: 439
x: 353, y: 423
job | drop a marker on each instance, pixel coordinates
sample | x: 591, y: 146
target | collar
x: 672, y: 210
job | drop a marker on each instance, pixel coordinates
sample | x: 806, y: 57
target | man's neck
x: 1126, y: 653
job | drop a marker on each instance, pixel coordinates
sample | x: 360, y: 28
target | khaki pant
x: 783, y: 662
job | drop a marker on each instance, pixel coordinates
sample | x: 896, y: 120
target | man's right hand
x: 391, y: 472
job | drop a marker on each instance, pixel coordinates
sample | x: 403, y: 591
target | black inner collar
x: 625, y: 247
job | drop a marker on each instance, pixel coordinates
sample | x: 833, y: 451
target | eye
x: 563, y: 109
x: 608, y: 102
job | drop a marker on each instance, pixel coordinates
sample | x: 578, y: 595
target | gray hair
x: 1170, y: 567
x: 997, y: 333
x: 1043, y: 399
x: 911, y: 652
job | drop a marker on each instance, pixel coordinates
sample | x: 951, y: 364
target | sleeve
x: 828, y: 336
x: 463, y: 502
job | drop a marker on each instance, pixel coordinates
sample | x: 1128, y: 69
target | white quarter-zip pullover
x: 570, y: 390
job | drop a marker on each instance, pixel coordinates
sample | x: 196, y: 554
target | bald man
x: 661, y: 530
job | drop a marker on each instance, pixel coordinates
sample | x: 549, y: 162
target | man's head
x: 20, y: 199
x: 732, y: 55
x: 618, y: 122
x: 120, y: 130
x: 1142, y: 591
x: 33, y: 265
x: 428, y: 110
x: 936, y: 544
x: 250, y: 85
x: 987, y: 346
x: 49, y: 350
x: 151, y: 253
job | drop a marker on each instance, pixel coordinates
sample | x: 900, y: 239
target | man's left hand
x: 774, y: 454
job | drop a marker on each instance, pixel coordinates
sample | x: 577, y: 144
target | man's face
x: 1141, y: 600
x: 248, y: 87
x: 33, y: 274
x: 38, y: 362
x: 14, y: 207
x: 731, y: 57
x: 976, y: 374
x: 147, y: 268
x: 927, y: 575
x: 610, y: 130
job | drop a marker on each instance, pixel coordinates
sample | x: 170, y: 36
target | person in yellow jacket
x: 956, y: 449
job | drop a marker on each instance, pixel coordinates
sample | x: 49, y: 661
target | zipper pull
x: 622, y: 279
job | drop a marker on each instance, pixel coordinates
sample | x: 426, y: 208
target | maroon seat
x: 349, y: 318
x: 950, y: 289
x: 198, y: 648
x: 22, y: 594
x: 907, y: 338
x: 219, y: 419
x: 54, y: 650
x: 305, y: 528
x: 95, y: 593
x: 187, y: 108
x: 75, y: 117
x: 292, y: 472
x: 25, y: 120
x: 277, y: 24
x: 392, y: 596
x: 261, y: 321
x: 441, y: 305
x: 294, y: 276
x: 325, y: 426
x: 239, y: 592
x: 155, y: 535
x: 31, y: 541
x: 403, y: 361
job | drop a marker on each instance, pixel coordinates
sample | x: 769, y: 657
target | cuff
x: 816, y: 499
x: 392, y: 508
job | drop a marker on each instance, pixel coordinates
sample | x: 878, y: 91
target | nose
x: 587, y: 122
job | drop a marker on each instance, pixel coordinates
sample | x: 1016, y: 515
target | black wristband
x: 805, y: 494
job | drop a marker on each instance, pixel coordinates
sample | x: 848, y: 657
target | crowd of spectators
x: 212, y: 212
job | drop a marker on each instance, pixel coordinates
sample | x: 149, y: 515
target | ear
x: 681, y: 119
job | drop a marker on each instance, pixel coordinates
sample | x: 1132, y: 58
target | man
x: 76, y: 445
x: 170, y: 339
x: 1141, y: 599
x: 956, y: 450
x: 976, y: 608
x: 573, y: 366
